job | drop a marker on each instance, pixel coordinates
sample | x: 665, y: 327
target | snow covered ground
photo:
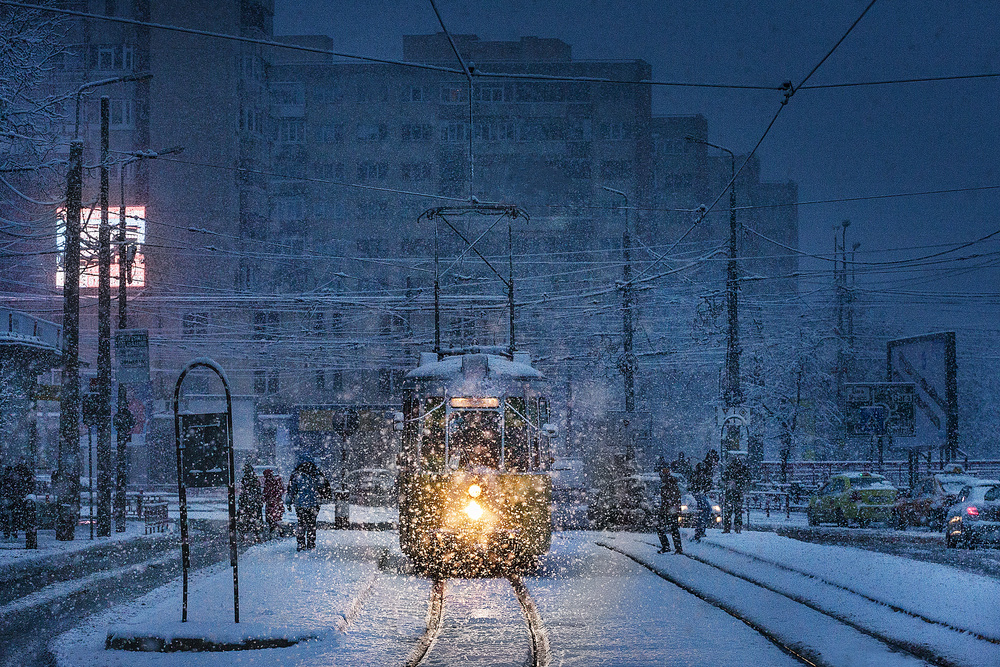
x: 754, y: 598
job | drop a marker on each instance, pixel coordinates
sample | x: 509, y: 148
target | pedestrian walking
x: 249, y: 516
x: 307, y: 485
x: 670, y: 512
x: 735, y: 480
x: 273, y: 507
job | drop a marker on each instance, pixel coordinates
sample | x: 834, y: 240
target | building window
x: 288, y: 209
x: 372, y: 171
x: 291, y: 130
x: 195, y: 324
x: 419, y: 94
x: 122, y: 114
x: 109, y: 57
x: 614, y: 131
x: 415, y: 171
x: 265, y: 382
x: 452, y: 93
x: 416, y: 132
x: 372, y: 132
x: 331, y: 133
x: 495, y: 130
x: 329, y: 171
x: 251, y: 121
x: 265, y: 325
x: 293, y: 94
x: 488, y: 92
x: 616, y: 169
x: 320, y: 379
x: 453, y: 132
x: 328, y: 93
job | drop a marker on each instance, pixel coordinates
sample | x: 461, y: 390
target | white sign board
x: 132, y: 350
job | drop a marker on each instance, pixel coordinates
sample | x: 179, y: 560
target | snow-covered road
x: 604, y: 599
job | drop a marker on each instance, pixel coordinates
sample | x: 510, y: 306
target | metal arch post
x: 205, y: 362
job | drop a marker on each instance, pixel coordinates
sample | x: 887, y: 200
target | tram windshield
x: 474, y: 438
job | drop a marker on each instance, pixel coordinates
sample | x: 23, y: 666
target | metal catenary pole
x: 123, y: 421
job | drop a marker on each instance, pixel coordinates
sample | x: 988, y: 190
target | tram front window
x: 474, y: 439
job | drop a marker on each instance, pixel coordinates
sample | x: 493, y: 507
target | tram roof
x: 476, y: 366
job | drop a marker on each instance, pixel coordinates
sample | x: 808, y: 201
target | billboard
x: 90, y: 222
x: 928, y: 362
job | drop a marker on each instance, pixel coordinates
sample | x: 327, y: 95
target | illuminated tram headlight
x: 475, y: 490
x: 474, y: 510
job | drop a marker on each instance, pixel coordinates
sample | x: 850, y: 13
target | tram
x: 475, y: 488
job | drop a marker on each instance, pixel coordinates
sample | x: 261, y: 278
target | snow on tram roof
x: 487, y: 366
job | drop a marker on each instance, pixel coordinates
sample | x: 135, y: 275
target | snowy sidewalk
x: 303, y: 600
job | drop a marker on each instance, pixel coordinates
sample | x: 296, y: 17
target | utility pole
x: 123, y: 418
x: 67, y: 487
x: 68, y: 482
x: 734, y: 392
x: 104, y: 339
x: 628, y: 357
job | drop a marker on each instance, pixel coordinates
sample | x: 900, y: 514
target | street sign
x: 205, y: 441
x: 880, y: 408
x: 132, y: 350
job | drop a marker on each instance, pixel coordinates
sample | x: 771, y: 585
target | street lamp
x: 733, y: 393
x: 628, y: 361
x: 124, y: 419
x: 68, y: 482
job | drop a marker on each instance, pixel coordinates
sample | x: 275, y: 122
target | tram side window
x: 474, y: 438
x: 517, y: 436
x: 432, y: 435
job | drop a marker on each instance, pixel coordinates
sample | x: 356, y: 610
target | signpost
x: 879, y: 409
x: 205, y: 459
x: 132, y: 351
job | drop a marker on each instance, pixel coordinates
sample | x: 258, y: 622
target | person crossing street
x: 669, y: 515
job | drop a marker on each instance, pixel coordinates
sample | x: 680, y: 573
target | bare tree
x: 32, y: 44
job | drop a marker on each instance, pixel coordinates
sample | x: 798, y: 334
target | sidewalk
x: 302, y: 601
x: 14, y: 556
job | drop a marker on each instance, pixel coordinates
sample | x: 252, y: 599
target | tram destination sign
x: 880, y: 408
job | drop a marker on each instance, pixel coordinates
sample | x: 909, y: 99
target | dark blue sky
x: 837, y: 143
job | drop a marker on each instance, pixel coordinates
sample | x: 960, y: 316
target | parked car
x: 852, y: 496
x: 927, y: 503
x: 975, y: 518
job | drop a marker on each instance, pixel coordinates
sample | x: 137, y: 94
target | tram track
x: 921, y: 651
x: 787, y: 648
x: 539, y: 653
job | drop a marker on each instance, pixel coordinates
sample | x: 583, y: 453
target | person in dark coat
x: 306, y: 487
x: 249, y: 517
x: 273, y: 507
x: 670, y: 509
x: 7, y: 490
x: 24, y: 484
x: 735, y: 481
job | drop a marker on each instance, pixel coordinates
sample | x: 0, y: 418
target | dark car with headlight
x: 927, y: 503
x: 975, y: 518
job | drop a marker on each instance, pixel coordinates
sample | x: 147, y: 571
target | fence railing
x: 815, y: 473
